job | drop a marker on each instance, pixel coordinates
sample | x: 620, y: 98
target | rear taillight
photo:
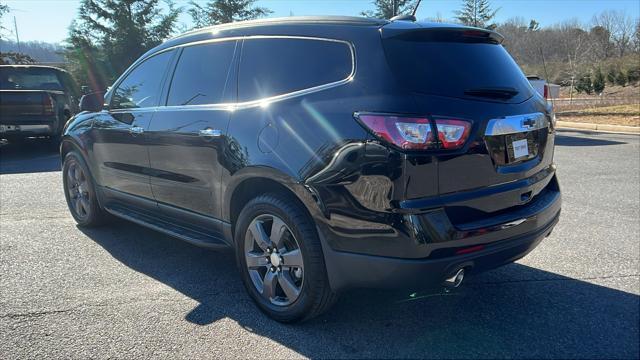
x: 546, y: 91
x: 416, y: 133
x: 452, y: 134
x: 409, y: 133
x: 47, y: 105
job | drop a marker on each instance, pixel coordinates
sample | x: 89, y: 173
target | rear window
x: 15, y: 78
x: 277, y: 66
x: 452, y: 66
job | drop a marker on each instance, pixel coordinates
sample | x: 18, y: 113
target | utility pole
x: 15, y: 25
x: 395, y: 7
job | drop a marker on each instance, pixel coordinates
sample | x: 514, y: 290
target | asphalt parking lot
x: 127, y: 292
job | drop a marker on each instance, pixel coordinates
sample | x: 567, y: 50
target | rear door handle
x: 208, y: 132
x: 135, y: 130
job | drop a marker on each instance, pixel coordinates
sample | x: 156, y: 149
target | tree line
x: 108, y: 35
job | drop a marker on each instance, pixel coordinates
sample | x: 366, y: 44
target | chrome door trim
x: 516, y: 124
x: 265, y: 102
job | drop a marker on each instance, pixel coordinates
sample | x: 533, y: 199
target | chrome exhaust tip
x: 455, y: 280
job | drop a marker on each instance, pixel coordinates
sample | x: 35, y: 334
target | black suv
x: 329, y: 153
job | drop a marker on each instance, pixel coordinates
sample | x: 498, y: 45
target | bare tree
x: 615, y: 31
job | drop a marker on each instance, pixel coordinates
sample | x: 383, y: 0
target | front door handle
x: 208, y: 132
x: 136, y: 130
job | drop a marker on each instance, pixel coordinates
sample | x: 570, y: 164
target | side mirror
x: 92, y: 102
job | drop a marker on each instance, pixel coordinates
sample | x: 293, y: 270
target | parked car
x: 545, y: 89
x: 328, y: 152
x: 35, y: 101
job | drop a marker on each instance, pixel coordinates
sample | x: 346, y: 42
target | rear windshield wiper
x: 493, y: 92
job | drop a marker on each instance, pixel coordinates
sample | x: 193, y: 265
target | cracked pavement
x: 127, y: 292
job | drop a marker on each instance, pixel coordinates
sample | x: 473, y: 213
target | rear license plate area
x: 521, y: 146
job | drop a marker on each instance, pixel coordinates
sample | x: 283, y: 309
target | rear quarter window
x: 277, y: 66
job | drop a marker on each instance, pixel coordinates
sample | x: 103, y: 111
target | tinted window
x: 450, y: 65
x: 141, y: 88
x: 28, y: 78
x: 272, y: 67
x: 201, y: 74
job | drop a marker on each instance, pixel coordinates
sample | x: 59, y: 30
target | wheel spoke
x: 77, y: 174
x: 71, y: 178
x: 278, y: 229
x: 269, y: 285
x: 77, y: 205
x: 256, y: 260
x: 85, y: 204
x: 292, y: 258
x: 286, y: 283
x: 260, y: 236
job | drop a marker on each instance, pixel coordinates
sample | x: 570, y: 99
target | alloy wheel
x: 274, y: 260
x: 78, y: 190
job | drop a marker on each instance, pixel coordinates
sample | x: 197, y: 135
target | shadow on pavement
x: 589, y: 139
x: 29, y: 156
x: 515, y: 311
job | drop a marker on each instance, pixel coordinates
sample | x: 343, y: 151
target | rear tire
x: 80, y: 192
x: 286, y: 277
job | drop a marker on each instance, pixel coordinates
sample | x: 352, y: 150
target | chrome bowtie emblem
x: 528, y: 123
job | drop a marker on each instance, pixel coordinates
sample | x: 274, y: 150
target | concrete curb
x: 599, y: 127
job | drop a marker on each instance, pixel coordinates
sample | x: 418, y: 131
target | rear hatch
x: 464, y: 75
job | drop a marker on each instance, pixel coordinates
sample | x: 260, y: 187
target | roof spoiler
x: 440, y: 32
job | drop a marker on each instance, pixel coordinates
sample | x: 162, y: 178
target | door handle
x: 136, y: 130
x: 208, y: 132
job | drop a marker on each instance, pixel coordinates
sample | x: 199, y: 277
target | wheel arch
x: 253, y: 181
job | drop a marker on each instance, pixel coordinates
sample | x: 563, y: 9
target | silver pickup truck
x: 35, y: 101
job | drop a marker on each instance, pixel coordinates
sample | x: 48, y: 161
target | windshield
x: 450, y: 66
x: 15, y: 78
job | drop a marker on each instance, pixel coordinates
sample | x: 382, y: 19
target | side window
x: 202, y: 74
x: 141, y: 88
x: 271, y: 67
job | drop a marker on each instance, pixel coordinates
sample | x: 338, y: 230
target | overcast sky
x: 48, y: 20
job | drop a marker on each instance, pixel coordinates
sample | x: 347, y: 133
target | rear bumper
x: 423, y: 248
x: 347, y: 270
x: 25, y: 126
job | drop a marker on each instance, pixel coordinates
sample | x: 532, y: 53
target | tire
x: 314, y: 294
x: 80, y: 192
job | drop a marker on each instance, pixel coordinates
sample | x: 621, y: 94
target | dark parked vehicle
x: 330, y: 153
x: 35, y: 101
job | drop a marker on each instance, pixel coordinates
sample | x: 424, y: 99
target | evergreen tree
x: 633, y: 75
x: 386, y: 9
x: 584, y: 84
x: 621, y: 78
x: 598, y: 81
x: 477, y: 13
x: 109, y: 35
x: 611, y: 76
x: 217, y: 12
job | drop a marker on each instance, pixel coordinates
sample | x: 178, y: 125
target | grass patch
x: 614, y: 110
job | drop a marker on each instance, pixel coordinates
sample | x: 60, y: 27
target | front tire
x: 280, y: 259
x: 80, y: 192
